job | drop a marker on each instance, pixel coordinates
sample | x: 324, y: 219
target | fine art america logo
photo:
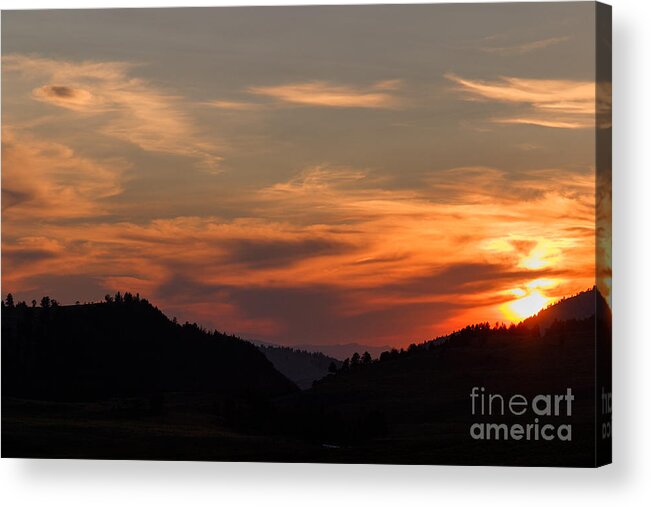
x: 539, y: 414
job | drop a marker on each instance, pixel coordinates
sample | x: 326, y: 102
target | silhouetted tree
x: 354, y: 360
x: 33, y: 303
x: 45, y: 302
x: 366, y: 358
x: 10, y: 300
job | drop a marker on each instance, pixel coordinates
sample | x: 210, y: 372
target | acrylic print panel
x: 348, y: 234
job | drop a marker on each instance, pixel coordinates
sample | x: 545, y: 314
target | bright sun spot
x: 528, y: 302
x: 525, y: 306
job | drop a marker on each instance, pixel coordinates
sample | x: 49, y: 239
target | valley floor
x: 188, y: 431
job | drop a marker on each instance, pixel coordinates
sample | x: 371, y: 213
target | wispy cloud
x: 132, y: 109
x: 235, y: 105
x: 552, y: 103
x: 524, y: 47
x: 327, y: 94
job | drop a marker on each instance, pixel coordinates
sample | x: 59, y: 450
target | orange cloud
x: 325, y: 94
x: 48, y: 180
x: 552, y: 103
x: 460, y: 217
x: 336, y: 253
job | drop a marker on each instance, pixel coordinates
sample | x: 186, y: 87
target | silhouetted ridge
x: 418, y: 397
x: 580, y: 306
x: 342, y: 351
x: 124, y: 347
x: 338, y: 351
x: 300, y: 366
x: 564, y: 314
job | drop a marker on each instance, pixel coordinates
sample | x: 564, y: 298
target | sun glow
x: 541, y: 256
x: 525, y: 306
x: 529, y: 301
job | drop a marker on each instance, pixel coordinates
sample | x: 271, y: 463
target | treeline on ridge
x: 123, y: 347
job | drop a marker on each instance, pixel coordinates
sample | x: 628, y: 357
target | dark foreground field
x: 99, y: 430
x: 36, y: 429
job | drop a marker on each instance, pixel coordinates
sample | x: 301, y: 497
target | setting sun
x: 525, y: 306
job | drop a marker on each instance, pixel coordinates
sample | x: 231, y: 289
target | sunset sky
x: 323, y: 175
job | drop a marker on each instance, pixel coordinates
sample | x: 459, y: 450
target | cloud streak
x: 326, y: 94
x: 235, y: 105
x: 525, y: 47
x: 553, y: 103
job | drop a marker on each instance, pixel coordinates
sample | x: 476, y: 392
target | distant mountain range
x: 300, y: 366
x: 339, y: 351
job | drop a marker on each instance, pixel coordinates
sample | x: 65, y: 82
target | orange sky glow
x: 296, y: 207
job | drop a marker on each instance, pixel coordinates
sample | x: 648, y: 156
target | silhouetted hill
x: 583, y: 305
x: 413, y: 405
x: 300, y: 366
x: 124, y: 347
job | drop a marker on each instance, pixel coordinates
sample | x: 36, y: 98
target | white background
x: 626, y: 482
